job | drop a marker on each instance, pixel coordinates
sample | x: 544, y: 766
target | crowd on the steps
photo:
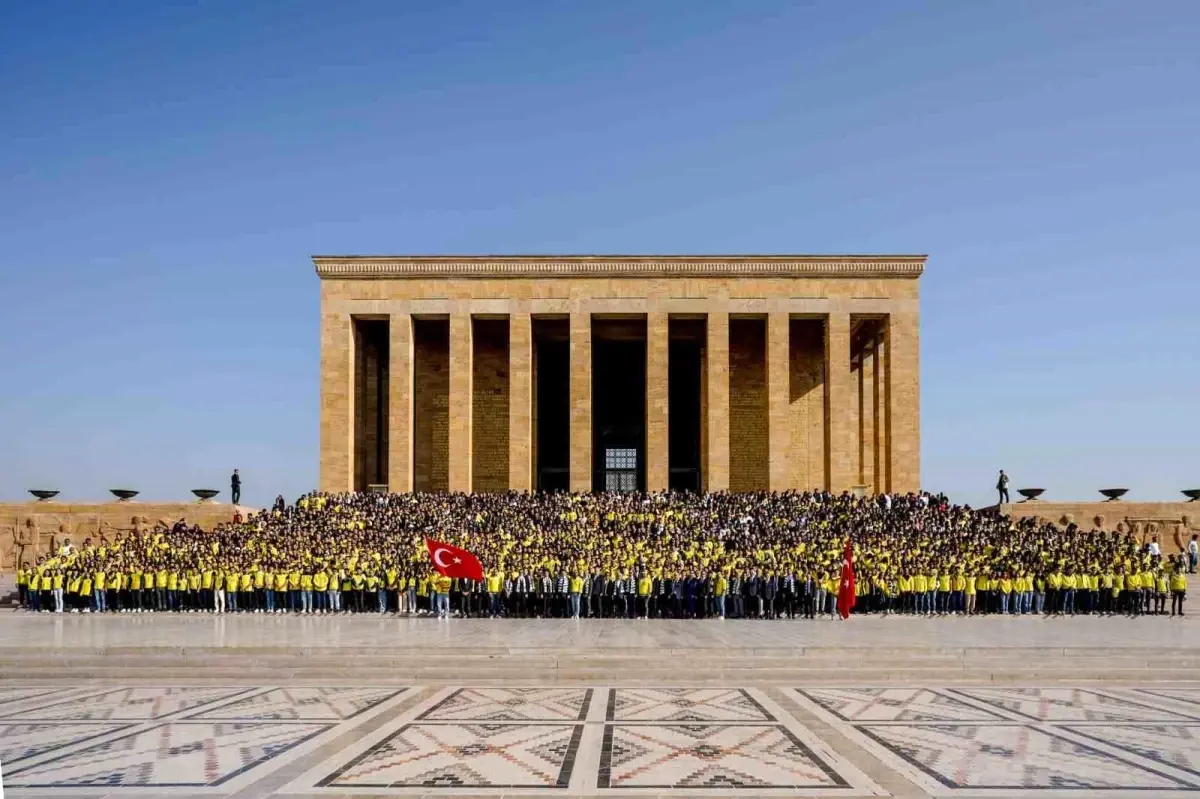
x: 626, y: 555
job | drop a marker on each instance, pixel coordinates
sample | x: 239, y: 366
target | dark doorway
x: 371, y: 338
x: 552, y: 404
x: 683, y: 403
x: 619, y: 404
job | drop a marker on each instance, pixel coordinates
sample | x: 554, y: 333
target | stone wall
x: 31, y: 529
x: 490, y: 406
x: 431, y: 400
x: 1173, y: 522
x: 748, y: 435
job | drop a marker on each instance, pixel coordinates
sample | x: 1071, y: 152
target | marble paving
x: 343, y: 740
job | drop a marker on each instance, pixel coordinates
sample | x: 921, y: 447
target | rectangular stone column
x: 867, y: 416
x: 400, y: 409
x: 904, y: 402
x: 581, y: 402
x: 459, y: 468
x: 883, y: 463
x: 337, y: 402
x: 779, y: 433
x: 716, y: 468
x: 657, y: 442
x: 841, y: 448
x: 520, y: 407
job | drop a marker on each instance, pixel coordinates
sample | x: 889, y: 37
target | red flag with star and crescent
x: 451, y: 561
x: 845, y: 597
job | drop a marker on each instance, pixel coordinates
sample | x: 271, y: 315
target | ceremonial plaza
x: 633, y: 446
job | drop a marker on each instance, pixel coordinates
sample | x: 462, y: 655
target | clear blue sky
x: 167, y: 169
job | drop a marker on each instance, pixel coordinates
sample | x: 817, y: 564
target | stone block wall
x: 31, y: 529
x: 748, y: 422
x: 1173, y: 523
x: 431, y: 406
x: 490, y: 406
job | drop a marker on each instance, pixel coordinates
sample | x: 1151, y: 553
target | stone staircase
x: 389, y: 664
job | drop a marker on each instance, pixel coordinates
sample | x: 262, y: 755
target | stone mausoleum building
x: 595, y: 372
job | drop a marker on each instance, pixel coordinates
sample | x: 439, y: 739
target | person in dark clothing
x: 1002, y: 486
x: 235, y: 487
x: 752, y: 589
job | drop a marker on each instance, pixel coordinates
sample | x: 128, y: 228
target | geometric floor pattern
x: 301, y: 742
x: 512, y: 704
x: 472, y: 755
x: 1012, y: 756
x: 21, y: 740
x: 174, y: 754
x: 684, y: 704
x: 300, y: 704
x: 126, y: 704
x: 896, y: 704
x: 1176, y: 745
x: 1067, y: 704
x: 710, y: 756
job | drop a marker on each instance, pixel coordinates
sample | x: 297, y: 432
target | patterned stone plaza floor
x: 294, y: 742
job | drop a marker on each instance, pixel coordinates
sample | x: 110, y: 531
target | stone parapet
x: 29, y: 530
x: 1173, y: 522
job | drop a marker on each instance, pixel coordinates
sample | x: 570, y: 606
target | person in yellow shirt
x: 260, y: 590
x: 295, y: 603
x: 495, y: 583
x: 1133, y: 593
x: 100, y: 591
x: 160, y: 590
x: 391, y: 576
x: 219, y: 591
x: 425, y: 605
x: 970, y: 592
x: 58, y: 581
x: 645, y: 585
x: 721, y: 588
x: 320, y: 590
x: 576, y: 591
x: 441, y: 590
x: 1161, y: 588
x: 23, y: 586
x: 232, y: 580
x: 306, y: 593
x: 921, y: 590
x: 335, y: 591
x: 1178, y: 585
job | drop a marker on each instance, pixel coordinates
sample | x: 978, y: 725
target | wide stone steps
x: 448, y: 665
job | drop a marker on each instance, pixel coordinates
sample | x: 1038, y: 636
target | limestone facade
x: 29, y: 530
x: 479, y: 373
x: 1172, y: 523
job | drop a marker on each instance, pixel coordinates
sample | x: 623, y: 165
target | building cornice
x: 367, y: 267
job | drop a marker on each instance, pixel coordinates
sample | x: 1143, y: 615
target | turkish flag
x: 450, y: 561
x: 845, y: 600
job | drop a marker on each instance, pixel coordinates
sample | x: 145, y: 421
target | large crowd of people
x: 625, y: 555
